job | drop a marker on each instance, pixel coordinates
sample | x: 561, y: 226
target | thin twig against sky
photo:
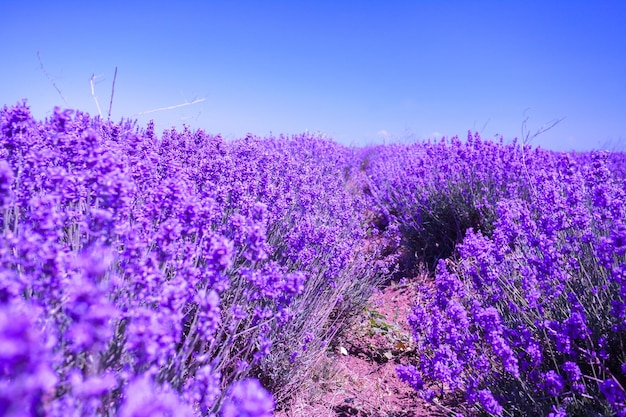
x: 189, y: 103
x: 112, y: 93
x: 93, y: 93
x: 43, y: 69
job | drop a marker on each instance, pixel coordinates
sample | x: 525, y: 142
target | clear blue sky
x: 357, y: 71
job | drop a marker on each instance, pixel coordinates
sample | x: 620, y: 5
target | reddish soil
x: 359, y: 378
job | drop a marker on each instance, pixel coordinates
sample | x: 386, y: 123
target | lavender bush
x: 145, y: 275
x: 430, y: 193
x: 527, y: 315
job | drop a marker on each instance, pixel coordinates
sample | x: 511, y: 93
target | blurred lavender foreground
x: 180, y: 275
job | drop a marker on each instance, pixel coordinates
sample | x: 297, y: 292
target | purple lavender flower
x: 94, y: 386
x: 6, y: 184
x: 428, y: 395
x: 572, y: 371
x: 204, y: 389
x: 502, y: 349
x: 613, y: 392
x: 90, y: 315
x: 14, y: 124
x: 60, y: 119
x: 208, y: 313
x: 142, y: 398
x: 553, y: 383
x: 247, y: 398
x: 489, y: 403
x: 221, y: 252
x: 575, y: 326
x: 151, y: 336
x: 25, y: 374
x: 410, y: 375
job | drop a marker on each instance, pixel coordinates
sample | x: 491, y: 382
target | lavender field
x: 180, y: 274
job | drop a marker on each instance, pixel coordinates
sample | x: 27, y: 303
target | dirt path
x: 360, y: 378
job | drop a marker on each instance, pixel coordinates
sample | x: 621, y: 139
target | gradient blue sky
x: 360, y: 72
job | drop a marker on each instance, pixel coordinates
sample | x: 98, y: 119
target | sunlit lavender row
x: 527, y: 312
x: 181, y: 274
x: 171, y: 275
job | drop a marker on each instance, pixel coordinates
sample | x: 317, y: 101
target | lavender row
x: 527, y: 313
x: 179, y: 274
